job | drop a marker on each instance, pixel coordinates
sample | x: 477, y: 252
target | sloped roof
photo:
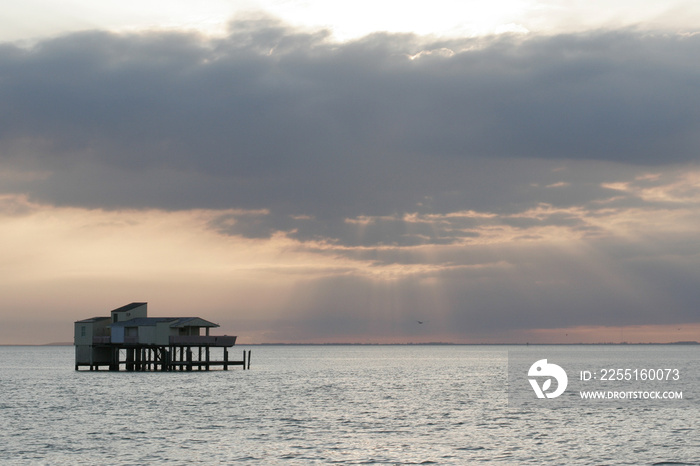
x: 193, y: 322
x: 91, y: 320
x: 142, y: 321
x: 128, y: 307
x: 175, y: 322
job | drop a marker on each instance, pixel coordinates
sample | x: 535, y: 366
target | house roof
x: 91, y: 320
x: 174, y: 322
x: 193, y: 322
x: 142, y: 321
x: 128, y: 307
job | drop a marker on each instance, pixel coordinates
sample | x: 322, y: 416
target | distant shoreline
x: 470, y: 344
x: 416, y: 344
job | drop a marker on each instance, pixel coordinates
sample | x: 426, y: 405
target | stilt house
x: 147, y: 342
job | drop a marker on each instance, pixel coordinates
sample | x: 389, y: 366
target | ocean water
x: 440, y: 404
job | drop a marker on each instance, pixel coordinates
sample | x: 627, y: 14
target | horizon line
x: 434, y: 343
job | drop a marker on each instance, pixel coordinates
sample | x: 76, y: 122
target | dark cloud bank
x: 269, y: 117
x: 318, y: 132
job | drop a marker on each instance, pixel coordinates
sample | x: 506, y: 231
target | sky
x: 307, y: 171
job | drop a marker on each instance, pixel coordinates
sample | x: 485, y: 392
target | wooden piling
x: 164, y: 358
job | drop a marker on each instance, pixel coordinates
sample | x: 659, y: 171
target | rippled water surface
x: 322, y: 404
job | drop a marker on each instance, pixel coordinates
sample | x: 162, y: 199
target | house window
x: 82, y: 330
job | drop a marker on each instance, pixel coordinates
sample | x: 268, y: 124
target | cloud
x: 481, y: 276
x: 269, y: 117
x: 319, y: 190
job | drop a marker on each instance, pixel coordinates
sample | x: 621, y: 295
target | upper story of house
x: 128, y: 312
x: 130, y: 325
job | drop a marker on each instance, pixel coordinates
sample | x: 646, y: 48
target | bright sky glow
x: 348, y: 19
x: 178, y: 262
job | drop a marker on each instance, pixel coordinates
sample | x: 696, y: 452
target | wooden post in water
x: 146, y: 357
x: 114, y: 360
x: 248, y: 359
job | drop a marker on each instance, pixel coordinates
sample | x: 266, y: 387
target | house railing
x: 194, y: 340
x: 101, y: 340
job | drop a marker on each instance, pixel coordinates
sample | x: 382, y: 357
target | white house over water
x: 158, y: 343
